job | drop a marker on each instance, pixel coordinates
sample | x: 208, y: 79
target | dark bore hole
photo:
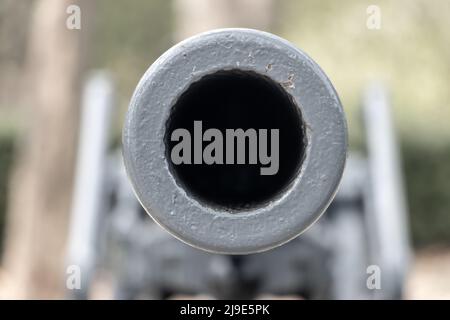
x: 232, y: 100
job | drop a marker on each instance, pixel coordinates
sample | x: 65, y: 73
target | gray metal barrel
x: 235, y: 141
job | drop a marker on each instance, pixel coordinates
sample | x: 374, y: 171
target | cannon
x: 235, y: 141
x: 365, y: 225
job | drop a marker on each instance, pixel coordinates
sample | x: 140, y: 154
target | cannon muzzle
x: 235, y: 141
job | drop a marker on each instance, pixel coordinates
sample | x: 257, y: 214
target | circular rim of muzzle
x: 213, y: 229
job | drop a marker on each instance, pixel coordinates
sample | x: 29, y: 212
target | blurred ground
x: 429, y: 278
x: 430, y: 275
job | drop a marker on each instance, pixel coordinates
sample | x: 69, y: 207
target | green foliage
x: 427, y: 173
x: 6, y: 158
x: 410, y: 54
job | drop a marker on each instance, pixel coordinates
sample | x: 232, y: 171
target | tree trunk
x: 194, y: 16
x: 40, y: 192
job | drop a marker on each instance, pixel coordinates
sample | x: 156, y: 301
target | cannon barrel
x: 235, y: 141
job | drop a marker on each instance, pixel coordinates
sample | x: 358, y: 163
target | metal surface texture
x: 284, y: 215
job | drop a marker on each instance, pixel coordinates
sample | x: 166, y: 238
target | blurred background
x: 45, y: 64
